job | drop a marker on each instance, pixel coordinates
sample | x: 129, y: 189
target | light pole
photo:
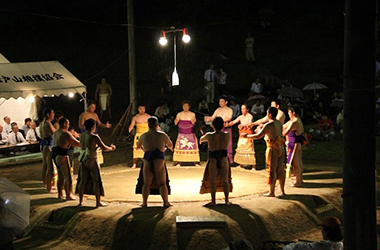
x: 163, y: 41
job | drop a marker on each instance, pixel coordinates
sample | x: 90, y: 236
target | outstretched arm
x: 260, y: 134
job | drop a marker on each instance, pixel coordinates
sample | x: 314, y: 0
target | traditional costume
x: 186, y: 147
x: 206, y: 185
x: 245, y: 151
x: 103, y: 101
x: 274, y: 147
x: 229, y: 149
x: 64, y: 151
x: 141, y: 128
x: 47, y: 141
x: 88, y: 166
x: 292, y: 140
x: 150, y: 156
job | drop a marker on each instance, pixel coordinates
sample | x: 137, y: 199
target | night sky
x: 304, y: 43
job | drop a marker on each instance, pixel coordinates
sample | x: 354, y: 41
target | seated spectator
x: 326, y: 127
x: 257, y: 110
x: 25, y: 128
x: 236, y: 109
x: 3, y: 136
x: 7, y: 125
x: 203, y: 107
x: 162, y: 114
x: 332, y: 237
x: 33, y: 133
x: 15, y: 136
x: 256, y: 87
x: 339, y: 121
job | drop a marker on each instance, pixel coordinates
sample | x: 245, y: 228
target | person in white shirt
x: 256, y: 87
x: 250, y: 56
x: 32, y: 135
x: 15, y: 136
x: 7, y: 125
x: 3, y: 136
x: 25, y: 128
x: 257, y: 110
x: 209, y: 78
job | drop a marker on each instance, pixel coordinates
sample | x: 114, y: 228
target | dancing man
x: 217, y: 175
x: 153, y: 178
x: 294, y: 131
x: 186, y: 147
x: 141, y: 122
x: 89, y: 167
x: 225, y: 113
x: 46, y: 131
x: 62, y: 154
x: 245, y: 151
x: 274, y: 154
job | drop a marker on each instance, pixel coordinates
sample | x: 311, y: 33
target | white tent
x: 21, y: 82
x: 3, y: 59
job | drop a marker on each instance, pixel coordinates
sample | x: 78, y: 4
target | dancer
x: 141, y: 122
x: 186, y: 147
x: 89, y: 168
x: 46, y: 131
x: 90, y: 114
x: 294, y: 131
x: 62, y: 154
x: 217, y: 175
x: 274, y: 154
x: 154, y: 175
x: 225, y: 113
x: 245, y: 151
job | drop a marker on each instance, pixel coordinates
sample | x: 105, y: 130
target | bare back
x: 62, y: 139
x: 153, y: 139
x: 217, y: 140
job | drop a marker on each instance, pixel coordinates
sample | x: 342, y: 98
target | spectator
x: 166, y: 89
x: 339, y: 121
x: 222, y: 81
x: 7, y: 125
x: 25, y: 128
x: 326, y: 127
x: 257, y: 110
x: 332, y: 237
x: 162, y: 113
x: 256, y: 87
x: 15, y: 136
x: 32, y: 135
x: 203, y: 107
x: 235, y: 108
x: 209, y: 78
x: 249, y: 55
x: 3, y: 136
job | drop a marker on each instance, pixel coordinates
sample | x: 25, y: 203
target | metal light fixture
x: 163, y: 41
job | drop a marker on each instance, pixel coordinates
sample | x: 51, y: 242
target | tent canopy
x: 37, y: 78
x: 3, y: 59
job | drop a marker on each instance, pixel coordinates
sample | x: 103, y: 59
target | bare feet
x: 167, y: 205
x: 71, y: 198
x: 62, y: 197
x: 197, y: 164
x: 227, y: 203
x: 133, y: 166
x: 80, y: 204
x: 253, y: 168
x: 143, y: 205
x: 269, y: 195
x: 210, y: 204
x: 282, y: 193
x: 52, y: 192
x: 101, y: 204
x: 297, y: 185
x: 177, y: 165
